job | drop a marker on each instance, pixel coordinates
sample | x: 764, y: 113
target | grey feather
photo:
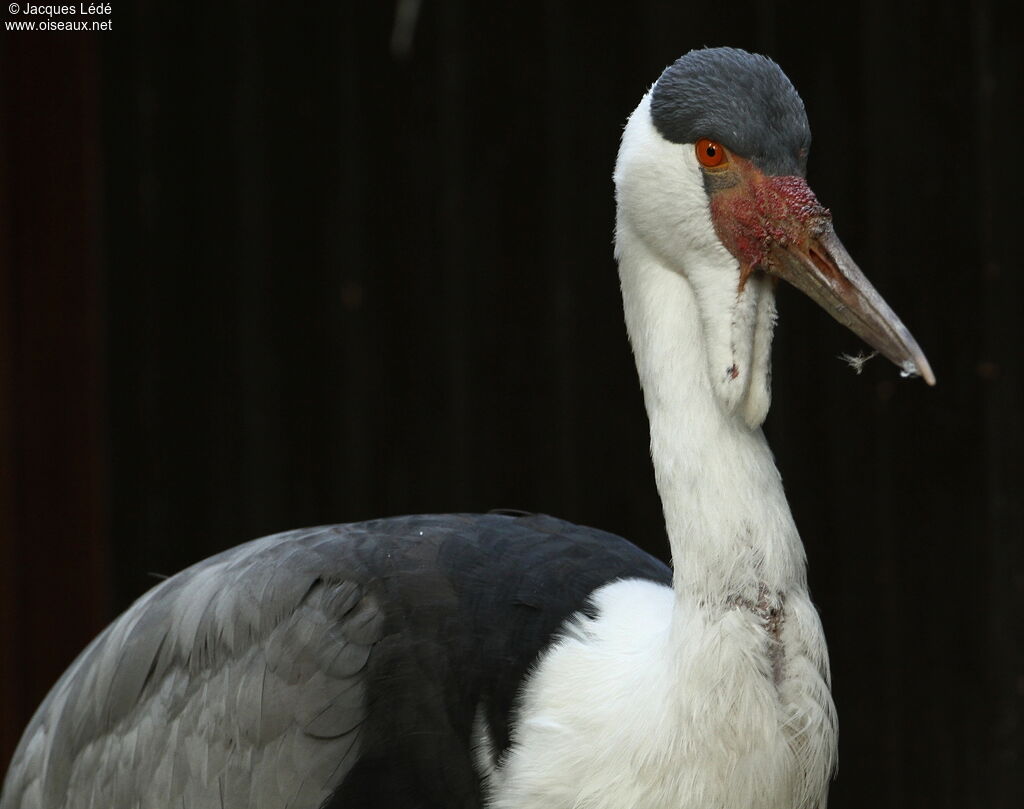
x: 237, y: 683
x: 740, y: 99
x: 341, y: 664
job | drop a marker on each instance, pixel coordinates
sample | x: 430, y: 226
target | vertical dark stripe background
x: 54, y: 538
x: 266, y: 266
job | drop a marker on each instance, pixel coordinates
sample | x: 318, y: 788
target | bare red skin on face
x: 758, y: 212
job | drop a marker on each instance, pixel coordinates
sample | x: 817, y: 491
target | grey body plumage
x: 235, y: 683
x: 344, y: 663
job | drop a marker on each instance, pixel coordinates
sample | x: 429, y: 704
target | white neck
x: 729, y: 526
x: 716, y: 694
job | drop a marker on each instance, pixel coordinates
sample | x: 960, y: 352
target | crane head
x: 720, y: 152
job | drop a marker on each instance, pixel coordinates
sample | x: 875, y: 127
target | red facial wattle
x: 759, y: 213
x: 777, y: 225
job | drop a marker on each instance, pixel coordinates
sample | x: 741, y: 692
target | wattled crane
x: 522, y: 662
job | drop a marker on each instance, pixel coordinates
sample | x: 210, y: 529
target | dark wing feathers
x: 340, y: 666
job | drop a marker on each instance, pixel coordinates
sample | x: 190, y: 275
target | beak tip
x: 918, y: 367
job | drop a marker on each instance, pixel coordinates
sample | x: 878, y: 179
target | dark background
x: 266, y: 266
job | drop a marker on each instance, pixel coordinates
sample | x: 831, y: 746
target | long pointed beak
x: 823, y: 270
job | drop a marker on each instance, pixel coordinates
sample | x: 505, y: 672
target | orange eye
x: 711, y: 154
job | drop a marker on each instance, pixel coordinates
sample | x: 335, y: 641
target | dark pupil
x: 711, y: 151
